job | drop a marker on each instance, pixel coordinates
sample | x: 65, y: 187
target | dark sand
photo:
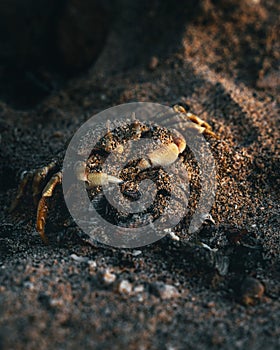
x: 223, y: 61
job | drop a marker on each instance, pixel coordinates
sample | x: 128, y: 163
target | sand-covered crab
x: 168, y: 147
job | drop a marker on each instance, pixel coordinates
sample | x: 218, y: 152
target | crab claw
x: 166, y: 154
x: 94, y: 179
x: 163, y: 156
x: 179, y: 140
x: 101, y: 179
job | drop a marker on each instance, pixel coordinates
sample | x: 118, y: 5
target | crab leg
x: 199, y: 124
x: 36, y: 179
x: 39, y: 178
x: 27, y: 178
x: 42, y: 209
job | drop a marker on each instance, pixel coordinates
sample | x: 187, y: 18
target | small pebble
x: 79, y: 258
x: 92, y: 263
x: 109, y: 277
x: 58, y: 134
x: 164, y: 291
x: 29, y: 285
x: 56, y: 302
x: 173, y: 236
x: 136, y: 252
x: 140, y: 298
x: 211, y: 304
x: 251, y: 291
x: 139, y: 289
x: 153, y: 63
x: 125, y: 287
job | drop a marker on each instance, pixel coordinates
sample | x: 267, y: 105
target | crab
x: 170, y: 145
